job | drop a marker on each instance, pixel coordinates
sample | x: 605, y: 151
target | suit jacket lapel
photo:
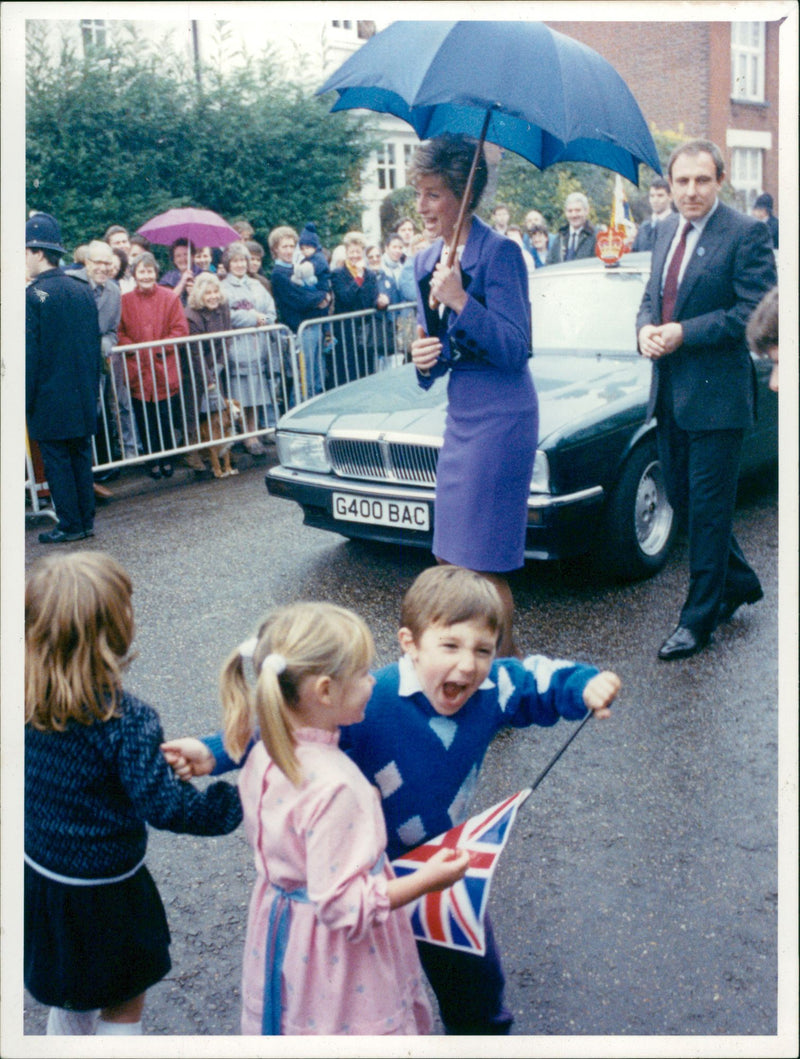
x: 659, y: 255
x: 704, y: 251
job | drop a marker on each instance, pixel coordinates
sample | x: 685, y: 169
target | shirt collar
x: 699, y: 226
x: 409, y: 680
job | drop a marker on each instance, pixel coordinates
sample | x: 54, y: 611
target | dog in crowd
x: 218, y: 425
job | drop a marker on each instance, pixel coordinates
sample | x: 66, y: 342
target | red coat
x: 151, y: 317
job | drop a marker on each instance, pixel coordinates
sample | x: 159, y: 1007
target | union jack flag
x: 454, y: 917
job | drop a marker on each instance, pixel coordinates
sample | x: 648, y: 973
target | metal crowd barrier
x: 347, y: 346
x: 266, y: 370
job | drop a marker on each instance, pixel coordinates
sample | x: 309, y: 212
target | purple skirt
x: 483, y: 479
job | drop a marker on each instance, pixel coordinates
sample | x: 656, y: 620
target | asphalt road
x: 639, y: 892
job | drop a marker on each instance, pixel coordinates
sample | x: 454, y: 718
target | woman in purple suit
x: 474, y: 321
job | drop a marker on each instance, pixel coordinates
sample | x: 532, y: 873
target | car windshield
x: 586, y: 312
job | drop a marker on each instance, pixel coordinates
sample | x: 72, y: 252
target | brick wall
x: 680, y: 74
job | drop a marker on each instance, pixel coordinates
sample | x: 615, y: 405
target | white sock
x: 64, y: 1023
x: 117, y: 1028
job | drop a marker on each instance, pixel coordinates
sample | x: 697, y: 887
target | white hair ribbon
x: 275, y: 662
x: 247, y: 648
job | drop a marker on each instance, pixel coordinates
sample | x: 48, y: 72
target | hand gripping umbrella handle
x: 462, y: 213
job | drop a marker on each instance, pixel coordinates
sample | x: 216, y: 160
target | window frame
x: 748, y: 61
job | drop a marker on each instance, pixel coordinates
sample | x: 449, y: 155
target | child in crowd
x: 96, y: 935
x: 304, y: 275
x: 324, y: 953
x: 310, y: 248
x: 426, y: 729
x: 297, y: 303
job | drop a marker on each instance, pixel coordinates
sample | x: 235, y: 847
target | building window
x: 408, y: 158
x: 342, y: 25
x: 747, y: 173
x: 93, y: 34
x: 387, y: 167
x: 747, y: 61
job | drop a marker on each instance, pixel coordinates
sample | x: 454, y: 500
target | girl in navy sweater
x: 96, y: 934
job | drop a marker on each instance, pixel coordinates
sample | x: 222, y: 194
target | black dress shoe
x: 682, y: 643
x: 57, y: 536
x: 728, y: 607
x: 154, y: 471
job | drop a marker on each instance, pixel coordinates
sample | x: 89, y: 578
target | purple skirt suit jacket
x: 485, y: 465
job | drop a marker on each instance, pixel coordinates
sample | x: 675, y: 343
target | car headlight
x: 305, y: 452
x: 540, y: 479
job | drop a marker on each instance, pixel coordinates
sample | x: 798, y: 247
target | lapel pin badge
x: 700, y: 251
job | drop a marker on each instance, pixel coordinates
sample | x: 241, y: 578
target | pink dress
x: 324, y: 954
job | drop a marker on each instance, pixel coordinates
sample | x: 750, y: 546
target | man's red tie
x: 670, y: 295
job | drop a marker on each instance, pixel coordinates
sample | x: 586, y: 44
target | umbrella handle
x: 462, y: 213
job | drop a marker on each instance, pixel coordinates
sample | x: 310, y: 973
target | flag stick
x: 547, y: 768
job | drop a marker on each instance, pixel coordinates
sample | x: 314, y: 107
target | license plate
x: 402, y: 514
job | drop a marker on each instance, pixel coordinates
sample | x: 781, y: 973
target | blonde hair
x: 354, y: 237
x: 205, y: 279
x: 78, y: 634
x: 448, y: 595
x: 294, y: 642
x: 283, y: 231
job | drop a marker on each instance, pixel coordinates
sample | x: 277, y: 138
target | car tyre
x: 638, y: 523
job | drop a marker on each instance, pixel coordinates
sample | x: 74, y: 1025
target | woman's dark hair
x: 123, y: 263
x: 450, y: 157
x: 175, y: 245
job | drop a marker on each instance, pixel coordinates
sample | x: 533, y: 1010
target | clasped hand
x: 658, y: 341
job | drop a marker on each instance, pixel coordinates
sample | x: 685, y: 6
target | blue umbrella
x: 528, y: 88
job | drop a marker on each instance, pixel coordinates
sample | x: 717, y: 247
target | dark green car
x: 361, y: 460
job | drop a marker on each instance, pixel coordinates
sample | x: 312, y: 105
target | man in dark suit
x: 577, y: 238
x: 711, y: 267
x: 661, y: 210
x: 62, y: 378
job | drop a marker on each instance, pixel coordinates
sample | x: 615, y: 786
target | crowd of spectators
x: 158, y: 394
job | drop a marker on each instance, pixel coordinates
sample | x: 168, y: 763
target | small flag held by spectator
x: 621, y: 211
x: 454, y: 917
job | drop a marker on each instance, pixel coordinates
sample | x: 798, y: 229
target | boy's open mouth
x: 452, y: 691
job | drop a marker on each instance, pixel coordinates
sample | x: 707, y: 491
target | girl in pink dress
x: 327, y: 950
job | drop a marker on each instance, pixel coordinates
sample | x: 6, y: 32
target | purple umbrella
x: 200, y: 227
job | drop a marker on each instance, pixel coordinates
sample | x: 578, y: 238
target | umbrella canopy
x: 200, y: 227
x: 548, y: 97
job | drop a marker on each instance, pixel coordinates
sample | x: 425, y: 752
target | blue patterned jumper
x: 425, y: 765
x: 90, y: 789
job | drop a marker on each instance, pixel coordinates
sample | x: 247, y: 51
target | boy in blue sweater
x: 428, y: 724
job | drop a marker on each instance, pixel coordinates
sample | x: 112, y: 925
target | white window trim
x: 749, y: 51
x: 748, y: 138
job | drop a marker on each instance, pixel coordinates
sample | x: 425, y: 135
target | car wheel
x: 639, y: 523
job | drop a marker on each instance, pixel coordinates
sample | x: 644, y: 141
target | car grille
x: 383, y: 461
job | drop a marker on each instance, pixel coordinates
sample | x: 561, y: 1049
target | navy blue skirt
x: 90, y: 947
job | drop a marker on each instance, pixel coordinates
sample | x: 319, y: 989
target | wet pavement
x: 638, y: 895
